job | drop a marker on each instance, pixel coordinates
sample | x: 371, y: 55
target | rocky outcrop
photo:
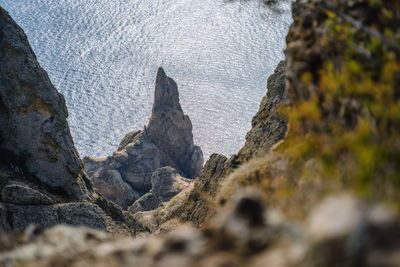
x: 197, y: 206
x: 171, y: 130
x: 166, y: 141
x: 268, y: 127
x: 41, y: 175
x: 20, y: 217
x: 33, y: 118
x: 24, y: 206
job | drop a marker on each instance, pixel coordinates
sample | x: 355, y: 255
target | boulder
x: 33, y: 117
x: 128, y: 138
x: 23, y: 195
x: 81, y: 214
x: 22, y: 216
x: 111, y: 185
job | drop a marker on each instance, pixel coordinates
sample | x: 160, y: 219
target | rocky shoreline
x: 290, y: 197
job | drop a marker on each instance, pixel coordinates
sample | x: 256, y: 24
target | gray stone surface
x: 268, y: 127
x: 82, y: 214
x: 167, y: 183
x: 170, y: 129
x: 4, y: 224
x: 111, y: 185
x: 22, y: 216
x: 23, y: 195
x: 166, y: 141
x: 147, y: 202
x: 33, y: 116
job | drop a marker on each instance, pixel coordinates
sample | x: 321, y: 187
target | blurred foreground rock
x: 245, y: 233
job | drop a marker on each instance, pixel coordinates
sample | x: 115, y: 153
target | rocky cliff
x: 42, y: 180
x: 33, y: 119
x: 327, y: 194
x: 167, y: 141
x: 268, y: 127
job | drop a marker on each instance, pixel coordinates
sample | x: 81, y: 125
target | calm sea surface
x: 103, y: 56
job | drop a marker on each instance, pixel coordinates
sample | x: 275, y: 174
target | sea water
x: 103, y: 55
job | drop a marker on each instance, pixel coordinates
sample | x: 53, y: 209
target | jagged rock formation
x: 41, y: 175
x: 171, y: 130
x: 33, y: 117
x: 270, y: 210
x: 166, y: 141
x: 268, y: 127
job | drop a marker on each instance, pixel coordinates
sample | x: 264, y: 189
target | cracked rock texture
x: 40, y: 168
x: 166, y: 141
x: 33, y: 117
x: 268, y: 128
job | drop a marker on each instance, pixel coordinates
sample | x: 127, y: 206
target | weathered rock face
x: 110, y: 184
x: 40, y: 170
x: 166, y: 141
x: 268, y: 127
x: 171, y: 130
x: 33, y: 117
x: 23, y: 195
x: 195, y: 206
x: 24, y: 206
x: 81, y: 214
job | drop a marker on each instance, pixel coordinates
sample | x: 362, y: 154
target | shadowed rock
x: 83, y: 214
x: 33, y: 116
x: 39, y: 164
x: 22, y: 195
